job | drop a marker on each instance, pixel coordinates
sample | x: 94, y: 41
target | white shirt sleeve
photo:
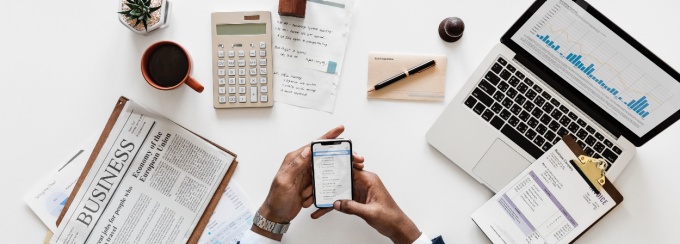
x: 251, y: 237
x: 423, y: 239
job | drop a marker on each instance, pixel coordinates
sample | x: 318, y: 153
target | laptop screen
x: 600, y: 64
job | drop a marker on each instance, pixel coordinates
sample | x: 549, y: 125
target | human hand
x: 373, y: 203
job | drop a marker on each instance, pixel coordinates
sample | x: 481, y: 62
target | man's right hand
x: 373, y: 203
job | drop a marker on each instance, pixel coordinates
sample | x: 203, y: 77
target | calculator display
x: 241, y: 29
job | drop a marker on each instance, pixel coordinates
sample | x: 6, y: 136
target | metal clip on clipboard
x: 592, y: 170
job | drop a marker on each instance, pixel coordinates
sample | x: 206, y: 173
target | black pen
x: 403, y: 75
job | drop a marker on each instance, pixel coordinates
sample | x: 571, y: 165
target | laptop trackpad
x: 500, y: 165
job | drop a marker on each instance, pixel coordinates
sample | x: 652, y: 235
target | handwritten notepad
x: 309, y: 53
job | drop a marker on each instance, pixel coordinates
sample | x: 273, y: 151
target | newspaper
x: 150, y: 183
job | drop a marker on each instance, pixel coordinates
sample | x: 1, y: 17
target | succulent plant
x: 140, y: 10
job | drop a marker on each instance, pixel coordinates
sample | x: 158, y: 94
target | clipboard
x: 205, y: 218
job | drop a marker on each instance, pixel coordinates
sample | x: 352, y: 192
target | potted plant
x: 144, y: 16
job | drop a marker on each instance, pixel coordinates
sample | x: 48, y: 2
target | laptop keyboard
x: 530, y: 116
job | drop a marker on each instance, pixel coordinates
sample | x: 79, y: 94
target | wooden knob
x: 295, y: 8
x: 451, y: 29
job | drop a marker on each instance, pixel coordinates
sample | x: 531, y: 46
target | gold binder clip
x: 592, y: 170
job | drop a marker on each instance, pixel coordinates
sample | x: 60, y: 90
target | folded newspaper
x: 150, y: 182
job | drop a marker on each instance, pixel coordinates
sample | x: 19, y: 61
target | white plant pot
x: 164, y: 16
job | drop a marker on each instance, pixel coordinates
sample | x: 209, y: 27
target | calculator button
x: 222, y: 90
x: 232, y: 90
x: 263, y: 45
x: 231, y: 54
x: 232, y: 72
x: 253, y: 53
x: 220, y: 72
x: 221, y: 81
x: 230, y: 63
x: 242, y: 90
x: 263, y: 89
x: 253, y: 94
x: 241, y: 53
x: 220, y: 63
x: 241, y: 71
x: 241, y: 62
x: 253, y: 62
x: 232, y: 81
x: 263, y: 71
x: 263, y: 80
x: 241, y: 99
x: 232, y: 99
x: 253, y: 81
x: 222, y: 99
x: 263, y: 53
x: 264, y: 98
x: 253, y: 71
x: 220, y: 54
x: 241, y: 80
x: 263, y: 62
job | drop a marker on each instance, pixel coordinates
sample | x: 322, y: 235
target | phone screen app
x: 332, y: 173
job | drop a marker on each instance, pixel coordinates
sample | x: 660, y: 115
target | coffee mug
x: 167, y: 65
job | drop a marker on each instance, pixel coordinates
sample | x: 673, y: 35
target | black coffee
x: 168, y: 65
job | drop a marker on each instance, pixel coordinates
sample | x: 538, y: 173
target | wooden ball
x: 451, y: 29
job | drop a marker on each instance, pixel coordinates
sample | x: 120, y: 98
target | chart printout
x: 600, y: 64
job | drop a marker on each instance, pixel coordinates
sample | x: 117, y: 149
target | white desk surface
x: 64, y: 64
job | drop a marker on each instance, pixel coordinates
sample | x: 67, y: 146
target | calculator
x: 242, y: 59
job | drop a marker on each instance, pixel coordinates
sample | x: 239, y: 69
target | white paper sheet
x: 232, y: 217
x: 309, y: 53
x: 47, y: 198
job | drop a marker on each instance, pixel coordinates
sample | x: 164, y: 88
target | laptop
x: 562, y: 68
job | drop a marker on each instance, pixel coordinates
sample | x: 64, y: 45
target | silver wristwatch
x: 269, y: 225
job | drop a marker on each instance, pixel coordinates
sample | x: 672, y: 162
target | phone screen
x: 332, y: 164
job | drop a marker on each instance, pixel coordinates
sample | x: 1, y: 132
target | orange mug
x: 167, y: 65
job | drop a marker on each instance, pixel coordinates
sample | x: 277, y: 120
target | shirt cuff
x: 423, y: 239
x: 252, y: 237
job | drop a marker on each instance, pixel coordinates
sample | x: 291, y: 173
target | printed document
x: 547, y: 203
x: 309, y: 53
x: 233, y: 216
x: 150, y: 183
x: 47, y: 198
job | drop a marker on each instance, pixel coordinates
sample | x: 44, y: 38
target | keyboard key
x: 497, y: 108
x: 519, y: 75
x: 608, y: 143
x: 491, y: 77
x: 524, y: 116
x: 264, y: 89
x: 497, y: 122
x: 537, y: 88
x: 242, y: 99
x: 522, y: 127
x: 505, y: 114
x: 581, y: 144
x: 232, y: 99
x: 609, y: 155
x: 590, y: 129
x: 487, y: 115
x: 550, y: 136
x: 528, y: 106
x: 554, y: 126
x: 532, y: 122
x: 564, y: 109
x: 537, y: 113
x: 599, y: 136
x: 582, y: 134
x: 529, y: 82
x: 555, y: 102
x: 505, y: 74
x: 503, y: 86
x: 565, y: 121
x: 514, y: 81
x: 511, y: 93
x: 590, y: 140
x: 479, y: 108
x: 482, y: 97
x: 539, y: 101
x: 589, y: 151
x: 531, y: 94
x: 498, y: 96
x: 547, y: 107
x: 581, y: 123
x: 556, y: 114
x: 545, y: 119
x: 470, y: 102
x: 496, y: 68
x: 573, y: 127
x: 502, y: 61
x: 546, y: 146
x: 519, y: 99
x: 521, y: 141
x: 572, y: 115
x: 522, y: 88
x: 511, y: 68
x: 545, y: 95
x: 531, y: 134
x: 507, y: 102
x: 253, y: 94
x: 562, y: 132
x: 598, y: 147
x: 487, y: 87
x: 541, y: 129
x: 515, y: 109
x: 539, y: 141
x: 513, y: 121
x: 264, y: 98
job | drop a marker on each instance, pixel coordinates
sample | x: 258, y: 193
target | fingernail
x: 305, y: 153
x: 336, y: 205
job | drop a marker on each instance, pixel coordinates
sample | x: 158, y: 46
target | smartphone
x: 331, y: 171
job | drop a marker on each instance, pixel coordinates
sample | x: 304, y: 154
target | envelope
x: 427, y: 85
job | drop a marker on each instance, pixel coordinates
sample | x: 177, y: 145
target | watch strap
x: 268, y: 225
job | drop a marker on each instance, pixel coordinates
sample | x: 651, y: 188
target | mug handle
x: 194, y: 84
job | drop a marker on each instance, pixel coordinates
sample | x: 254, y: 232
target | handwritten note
x: 233, y: 216
x: 309, y: 52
